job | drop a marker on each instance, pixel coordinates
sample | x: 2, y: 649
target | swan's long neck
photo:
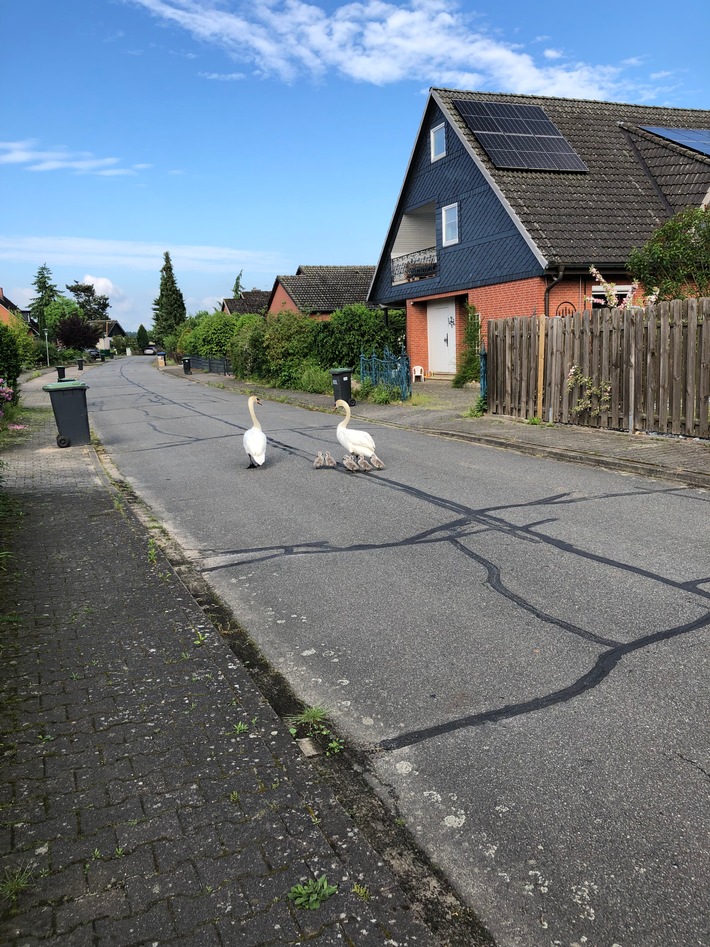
x: 344, y: 423
x: 253, y: 415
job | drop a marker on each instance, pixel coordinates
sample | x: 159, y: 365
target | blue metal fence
x: 391, y: 370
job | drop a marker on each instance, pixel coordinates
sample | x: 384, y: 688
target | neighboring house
x: 249, y: 301
x: 109, y: 328
x: 508, y: 200
x: 320, y: 290
x: 9, y: 309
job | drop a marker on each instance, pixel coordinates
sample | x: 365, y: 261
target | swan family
x: 357, y: 444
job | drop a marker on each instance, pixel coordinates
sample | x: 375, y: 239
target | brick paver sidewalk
x: 149, y: 793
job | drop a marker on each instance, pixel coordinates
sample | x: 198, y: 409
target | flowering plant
x: 610, y: 292
x: 6, y: 394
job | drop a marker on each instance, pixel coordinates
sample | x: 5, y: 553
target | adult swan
x: 255, y: 439
x: 358, y: 443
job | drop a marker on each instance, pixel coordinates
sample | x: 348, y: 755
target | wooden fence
x: 637, y: 370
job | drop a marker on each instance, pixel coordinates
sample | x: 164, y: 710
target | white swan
x: 358, y: 443
x: 254, y: 439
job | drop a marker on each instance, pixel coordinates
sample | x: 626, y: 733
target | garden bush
x: 10, y: 362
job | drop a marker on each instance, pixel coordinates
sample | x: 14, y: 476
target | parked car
x: 93, y: 353
x: 150, y: 350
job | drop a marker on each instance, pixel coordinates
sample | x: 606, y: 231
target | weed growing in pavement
x: 362, y: 891
x: 240, y: 728
x: 119, y: 852
x: 312, y: 722
x: 534, y: 420
x: 334, y: 747
x: 14, y: 881
x: 152, y: 551
x: 478, y: 409
x: 312, y: 894
x: 200, y: 637
x: 234, y: 796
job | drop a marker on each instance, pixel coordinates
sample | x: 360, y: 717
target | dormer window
x: 437, y: 138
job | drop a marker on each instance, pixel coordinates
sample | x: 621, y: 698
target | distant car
x: 150, y: 350
x: 92, y: 353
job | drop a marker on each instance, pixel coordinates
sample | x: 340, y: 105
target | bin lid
x: 65, y: 385
x: 339, y: 371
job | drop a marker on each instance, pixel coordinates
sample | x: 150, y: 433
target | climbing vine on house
x: 469, y: 367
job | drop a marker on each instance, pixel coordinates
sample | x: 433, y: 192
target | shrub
x: 384, y: 394
x: 288, y: 339
x: 212, y: 334
x: 10, y: 362
x: 675, y: 262
x: 247, y: 352
x: 315, y: 379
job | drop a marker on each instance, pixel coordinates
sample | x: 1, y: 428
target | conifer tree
x: 142, y: 338
x: 47, y: 292
x: 169, y: 308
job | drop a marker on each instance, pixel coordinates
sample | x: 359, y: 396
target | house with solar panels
x: 509, y: 199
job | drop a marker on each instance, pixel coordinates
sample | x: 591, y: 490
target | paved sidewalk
x: 150, y: 795
x: 681, y: 460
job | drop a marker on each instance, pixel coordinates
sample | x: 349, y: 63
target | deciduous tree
x: 675, y: 262
x: 94, y: 306
x: 76, y: 332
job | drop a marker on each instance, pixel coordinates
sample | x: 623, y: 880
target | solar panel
x: 519, y: 136
x: 697, y: 139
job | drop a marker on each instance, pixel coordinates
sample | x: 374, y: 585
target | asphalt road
x: 520, y: 645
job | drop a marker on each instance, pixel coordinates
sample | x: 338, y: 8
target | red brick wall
x: 282, y: 300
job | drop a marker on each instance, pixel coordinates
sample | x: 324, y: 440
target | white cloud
x: 552, y: 54
x: 28, y: 154
x: 379, y: 42
x: 83, y: 251
x: 223, y: 77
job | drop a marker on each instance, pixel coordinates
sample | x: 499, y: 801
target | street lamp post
x: 46, y: 344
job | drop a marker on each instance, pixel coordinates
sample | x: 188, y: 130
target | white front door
x: 441, y: 327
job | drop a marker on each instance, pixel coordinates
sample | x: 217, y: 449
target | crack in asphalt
x: 470, y: 522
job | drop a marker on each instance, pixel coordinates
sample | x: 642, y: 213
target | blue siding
x: 490, y: 248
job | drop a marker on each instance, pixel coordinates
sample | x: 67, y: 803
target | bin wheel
x: 63, y: 441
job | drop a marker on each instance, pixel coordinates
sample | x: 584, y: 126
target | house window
x: 450, y: 224
x: 437, y: 138
x: 599, y: 296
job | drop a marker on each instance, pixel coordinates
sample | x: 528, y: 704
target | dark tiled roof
x: 8, y: 304
x: 636, y: 181
x: 251, y: 301
x: 327, y: 288
x: 110, y: 326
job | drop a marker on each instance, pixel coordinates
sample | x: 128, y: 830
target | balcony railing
x: 422, y: 264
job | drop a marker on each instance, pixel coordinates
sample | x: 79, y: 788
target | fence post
x: 632, y: 370
x: 483, y: 372
x: 540, y: 364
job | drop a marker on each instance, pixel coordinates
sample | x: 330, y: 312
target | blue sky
x: 259, y: 136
